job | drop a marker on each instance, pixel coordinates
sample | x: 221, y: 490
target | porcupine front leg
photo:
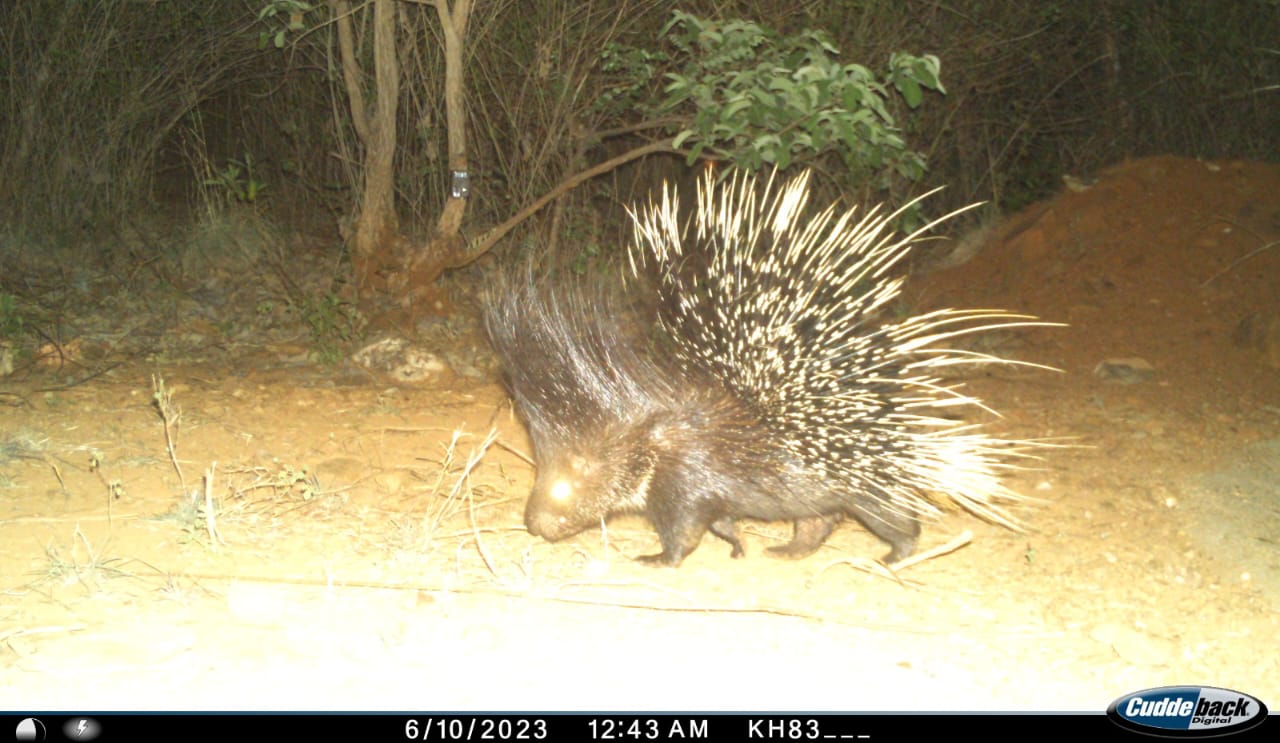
x: 681, y: 517
x: 680, y: 533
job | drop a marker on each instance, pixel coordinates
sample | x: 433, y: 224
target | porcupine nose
x: 548, y: 512
x: 546, y: 524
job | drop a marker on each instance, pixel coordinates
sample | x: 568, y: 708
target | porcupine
x: 770, y: 387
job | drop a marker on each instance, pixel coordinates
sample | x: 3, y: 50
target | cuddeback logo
x: 1187, y: 711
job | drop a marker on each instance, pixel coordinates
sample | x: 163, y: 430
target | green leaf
x: 695, y: 153
x: 910, y: 90
x: 733, y: 107
x: 926, y: 70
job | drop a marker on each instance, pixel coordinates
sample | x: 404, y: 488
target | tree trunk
x: 376, y: 225
x: 440, y: 251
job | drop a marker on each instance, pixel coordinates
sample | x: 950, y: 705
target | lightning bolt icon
x: 80, y: 727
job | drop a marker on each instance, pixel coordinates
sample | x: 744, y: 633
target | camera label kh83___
x: 476, y: 728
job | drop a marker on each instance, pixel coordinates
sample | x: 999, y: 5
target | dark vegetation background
x: 117, y: 113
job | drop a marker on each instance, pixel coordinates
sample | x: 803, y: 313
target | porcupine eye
x: 562, y: 491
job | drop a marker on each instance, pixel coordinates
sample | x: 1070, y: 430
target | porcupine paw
x: 679, y: 537
x: 661, y: 560
x: 902, y: 549
x: 808, y: 536
x: 902, y: 540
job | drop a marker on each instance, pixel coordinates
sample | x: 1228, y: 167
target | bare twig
x: 210, y: 526
x: 172, y: 416
x: 1230, y: 267
x: 891, y: 571
x: 478, y: 247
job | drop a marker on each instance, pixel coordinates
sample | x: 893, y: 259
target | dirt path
x: 365, y: 559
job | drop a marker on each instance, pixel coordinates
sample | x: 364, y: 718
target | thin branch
x: 486, y: 241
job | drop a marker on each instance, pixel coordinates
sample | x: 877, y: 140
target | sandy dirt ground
x: 288, y: 535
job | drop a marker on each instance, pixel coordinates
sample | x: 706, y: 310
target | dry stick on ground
x: 171, y: 415
x: 1242, y: 258
x: 215, y: 538
x: 115, y: 488
x: 891, y: 570
x: 429, y: 529
x: 472, y: 460
x: 25, y: 447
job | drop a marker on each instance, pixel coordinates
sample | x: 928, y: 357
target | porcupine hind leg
x: 901, y: 530
x: 808, y: 536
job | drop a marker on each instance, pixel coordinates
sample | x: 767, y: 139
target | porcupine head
x: 589, y: 399
x: 581, y: 481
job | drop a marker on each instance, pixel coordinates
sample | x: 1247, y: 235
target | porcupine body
x: 770, y: 388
